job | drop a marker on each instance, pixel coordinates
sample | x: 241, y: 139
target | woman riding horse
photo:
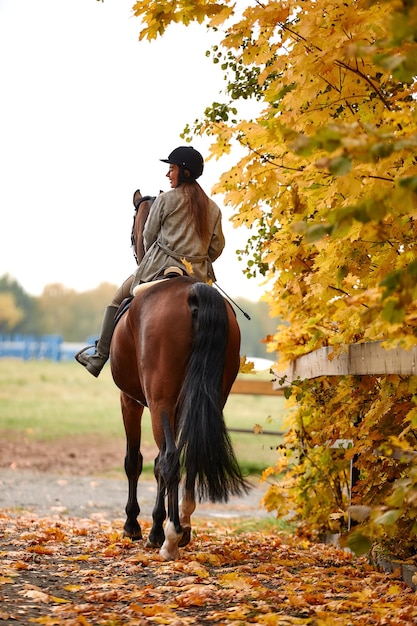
x: 184, y: 228
x: 176, y: 351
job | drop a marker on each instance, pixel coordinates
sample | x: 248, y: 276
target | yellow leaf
x: 156, y: 610
x: 246, y: 367
x: 58, y: 600
x: 239, y: 613
x: 188, y: 266
x: 40, y: 549
x: 235, y: 581
x: 211, y: 559
x: 194, y: 567
x: 394, y: 590
x: 72, y: 587
x: 221, y: 16
x: 197, y: 595
x: 272, y: 619
x: 54, y: 621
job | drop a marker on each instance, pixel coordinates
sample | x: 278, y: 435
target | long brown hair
x: 198, y: 203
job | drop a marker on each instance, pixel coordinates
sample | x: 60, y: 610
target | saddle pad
x: 167, y: 273
x: 143, y: 286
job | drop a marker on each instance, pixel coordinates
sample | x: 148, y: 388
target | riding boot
x: 94, y: 363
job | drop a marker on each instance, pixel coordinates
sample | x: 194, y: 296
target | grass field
x: 45, y: 400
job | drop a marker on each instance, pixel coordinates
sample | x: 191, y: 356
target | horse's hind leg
x: 173, y: 530
x: 157, y: 536
x: 132, y: 416
x: 187, y: 508
x: 170, y: 473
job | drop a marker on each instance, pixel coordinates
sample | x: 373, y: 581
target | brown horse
x: 176, y: 351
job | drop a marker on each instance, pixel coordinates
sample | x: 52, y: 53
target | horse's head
x: 137, y: 197
x: 142, y: 206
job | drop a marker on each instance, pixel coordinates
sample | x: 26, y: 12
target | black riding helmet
x: 189, y: 160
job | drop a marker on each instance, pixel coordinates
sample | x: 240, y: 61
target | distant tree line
x: 75, y: 316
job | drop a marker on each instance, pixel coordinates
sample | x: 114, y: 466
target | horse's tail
x: 204, y: 445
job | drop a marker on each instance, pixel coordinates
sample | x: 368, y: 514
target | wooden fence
x: 368, y: 358
x: 363, y: 359
x: 248, y: 386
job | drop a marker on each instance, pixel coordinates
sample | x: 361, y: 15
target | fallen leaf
x: 35, y: 594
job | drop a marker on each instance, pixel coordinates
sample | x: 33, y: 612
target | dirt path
x: 64, y: 560
x: 88, y: 496
x: 66, y: 478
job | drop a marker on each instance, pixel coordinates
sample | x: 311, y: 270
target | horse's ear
x: 136, y: 198
x: 161, y: 191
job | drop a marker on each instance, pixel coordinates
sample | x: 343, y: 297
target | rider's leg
x: 94, y: 363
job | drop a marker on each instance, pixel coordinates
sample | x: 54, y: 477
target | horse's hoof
x: 186, y: 536
x: 167, y: 555
x: 156, y: 538
x: 169, y: 550
x: 134, y: 535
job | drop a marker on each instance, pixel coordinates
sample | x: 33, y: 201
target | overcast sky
x: 86, y: 113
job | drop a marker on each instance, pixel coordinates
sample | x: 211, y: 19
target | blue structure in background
x: 51, y: 347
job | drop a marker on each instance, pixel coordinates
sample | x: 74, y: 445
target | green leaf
x: 406, y: 71
x: 393, y: 312
x: 382, y: 150
x: 328, y: 139
x: 340, y: 165
x: 388, y: 61
x: 317, y: 231
x: 409, y: 181
x: 388, y: 518
x: 358, y: 543
x: 412, y: 269
x: 391, y: 282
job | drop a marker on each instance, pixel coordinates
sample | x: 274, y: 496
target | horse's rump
x: 152, y: 341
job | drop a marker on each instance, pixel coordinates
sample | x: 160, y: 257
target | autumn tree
x: 327, y: 178
x: 10, y: 314
x: 17, y: 308
x: 74, y: 316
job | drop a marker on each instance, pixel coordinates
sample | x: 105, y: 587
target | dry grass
x: 47, y: 401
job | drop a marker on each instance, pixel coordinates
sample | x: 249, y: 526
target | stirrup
x: 85, y: 350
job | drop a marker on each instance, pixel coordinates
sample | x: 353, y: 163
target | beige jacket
x: 169, y: 236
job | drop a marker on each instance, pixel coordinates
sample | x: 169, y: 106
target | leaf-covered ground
x: 73, y: 571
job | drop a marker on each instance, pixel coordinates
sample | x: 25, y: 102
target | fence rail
x: 246, y: 386
x: 28, y: 347
x: 365, y: 359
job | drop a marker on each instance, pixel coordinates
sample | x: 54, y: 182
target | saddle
x: 165, y: 274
